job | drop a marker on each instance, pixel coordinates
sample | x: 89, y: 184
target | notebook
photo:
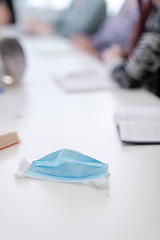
x: 139, y: 124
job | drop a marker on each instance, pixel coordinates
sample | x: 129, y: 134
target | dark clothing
x: 123, y: 29
x: 143, y: 66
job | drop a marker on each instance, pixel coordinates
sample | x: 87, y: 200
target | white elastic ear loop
x: 102, y: 182
x: 23, y: 166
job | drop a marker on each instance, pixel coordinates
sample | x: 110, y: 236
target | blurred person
x: 121, y: 31
x: 6, y: 12
x: 143, y: 66
x: 80, y: 16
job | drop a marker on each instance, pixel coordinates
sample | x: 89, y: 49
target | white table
x: 48, y: 119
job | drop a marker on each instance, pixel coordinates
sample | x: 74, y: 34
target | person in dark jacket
x: 123, y: 30
x: 142, y: 67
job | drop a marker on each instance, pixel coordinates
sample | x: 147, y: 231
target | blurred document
x: 145, y: 132
x: 139, y: 124
x: 138, y: 114
x: 80, y: 71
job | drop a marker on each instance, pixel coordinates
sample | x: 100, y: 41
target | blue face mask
x: 67, y: 166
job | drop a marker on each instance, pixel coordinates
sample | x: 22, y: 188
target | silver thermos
x: 12, y: 61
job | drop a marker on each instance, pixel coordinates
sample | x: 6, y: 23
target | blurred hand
x: 112, y: 53
x: 82, y: 41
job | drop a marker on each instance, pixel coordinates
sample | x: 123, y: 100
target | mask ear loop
x: 102, y: 182
x: 23, y: 166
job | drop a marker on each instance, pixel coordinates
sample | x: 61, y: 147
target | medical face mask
x: 66, y: 166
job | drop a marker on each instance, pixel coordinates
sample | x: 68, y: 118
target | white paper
x: 138, y: 114
x: 139, y: 124
x: 86, y: 83
x: 81, y: 71
x: 140, y: 132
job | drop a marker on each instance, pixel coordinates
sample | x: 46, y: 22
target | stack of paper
x: 139, y: 124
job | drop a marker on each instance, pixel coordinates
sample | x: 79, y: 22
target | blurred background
x: 48, y: 10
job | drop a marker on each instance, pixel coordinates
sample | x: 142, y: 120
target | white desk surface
x: 48, y: 119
